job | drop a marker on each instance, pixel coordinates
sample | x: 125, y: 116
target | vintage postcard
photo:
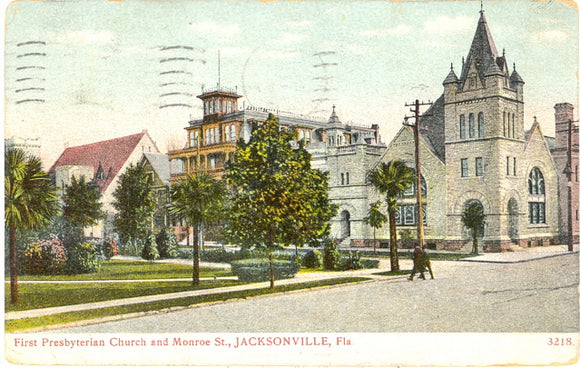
x: 291, y: 183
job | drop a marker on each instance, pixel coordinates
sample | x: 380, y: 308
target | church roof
x: 106, y: 157
x: 482, y: 52
x: 160, y: 164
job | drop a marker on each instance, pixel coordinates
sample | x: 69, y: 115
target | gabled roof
x: 482, y: 52
x: 108, y: 155
x: 160, y: 164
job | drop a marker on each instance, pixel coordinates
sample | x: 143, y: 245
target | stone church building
x: 474, y: 148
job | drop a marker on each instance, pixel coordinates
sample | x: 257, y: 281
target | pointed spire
x: 482, y: 49
x: 333, y: 117
x: 515, y: 77
x: 451, y: 77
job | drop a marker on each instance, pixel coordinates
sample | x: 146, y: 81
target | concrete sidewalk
x: 521, y: 255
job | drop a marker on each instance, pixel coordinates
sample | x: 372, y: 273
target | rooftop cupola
x: 219, y: 101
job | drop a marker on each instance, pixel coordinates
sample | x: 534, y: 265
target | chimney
x: 564, y: 112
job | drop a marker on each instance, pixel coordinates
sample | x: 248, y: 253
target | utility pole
x: 568, y: 172
x: 416, y: 130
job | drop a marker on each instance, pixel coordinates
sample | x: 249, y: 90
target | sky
x: 105, y: 69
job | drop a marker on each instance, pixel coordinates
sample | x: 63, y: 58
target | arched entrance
x: 474, y: 214
x: 344, y: 224
x: 513, y: 231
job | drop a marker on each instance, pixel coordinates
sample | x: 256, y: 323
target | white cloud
x: 215, y: 28
x: 552, y: 35
x: 401, y: 29
x: 86, y: 36
x: 282, y: 54
x: 444, y: 24
x: 288, y: 38
x: 304, y: 24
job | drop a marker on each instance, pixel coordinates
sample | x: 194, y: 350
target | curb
x: 517, y: 261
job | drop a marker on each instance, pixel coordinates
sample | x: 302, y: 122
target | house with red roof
x: 104, y: 162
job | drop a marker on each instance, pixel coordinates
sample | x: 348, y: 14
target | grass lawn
x: 29, y: 323
x: 33, y: 296
x: 134, y: 270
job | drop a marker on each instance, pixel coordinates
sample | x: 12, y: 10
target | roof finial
x: 503, y: 52
x: 451, y: 66
x: 514, y: 67
x: 481, y: 3
x: 535, y: 120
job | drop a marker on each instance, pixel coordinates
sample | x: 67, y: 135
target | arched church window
x: 537, y: 197
x: 536, y: 182
x: 462, y: 132
x: 471, y: 125
x: 480, y: 125
x: 409, y: 192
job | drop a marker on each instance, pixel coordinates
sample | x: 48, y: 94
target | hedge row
x: 256, y: 270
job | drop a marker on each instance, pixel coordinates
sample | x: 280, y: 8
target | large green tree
x: 199, y: 200
x: 30, y: 202
x: 135, y: 204
x: 81, y: 203
x: 473, y: 219
x: 277, y: 198
x: 375, y: 218
x: 391, y: 179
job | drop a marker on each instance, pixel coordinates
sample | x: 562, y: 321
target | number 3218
x: 560, y: 341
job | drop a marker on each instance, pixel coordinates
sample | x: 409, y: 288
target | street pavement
x: 530, y: 291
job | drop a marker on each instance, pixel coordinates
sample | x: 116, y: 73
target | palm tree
x: 375, y: 219
x: 473, y: 219
x: 198, y: 199
x: 30, y: 202
x: 391, y: 179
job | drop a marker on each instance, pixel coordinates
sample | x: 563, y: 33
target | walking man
x: 420, y: 262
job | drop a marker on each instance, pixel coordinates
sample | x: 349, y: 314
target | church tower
x: 484, y: 141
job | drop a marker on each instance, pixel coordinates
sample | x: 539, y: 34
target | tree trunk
x: 375, y: 240
x: 13, y: 266
x: 196, y: 255
x: 393, y: 239
x: 474, y: 241
x: 271, y: 270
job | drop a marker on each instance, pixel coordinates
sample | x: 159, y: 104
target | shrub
x: 353, y: 262
x: 313, y: 259
x: 298, y: 260
x: 44, y: 257
x: 133, y: 247
x: 110, y: 248
x: 224, y: 256
x: 83, y: 257
x: 256, y: 270
x: 150, y: 251
x: 167, y: 243
x: 331, y: 257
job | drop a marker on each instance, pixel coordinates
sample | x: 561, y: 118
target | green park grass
x: 34, y: 296
x: 63, y: 318
x: 133, y: 270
